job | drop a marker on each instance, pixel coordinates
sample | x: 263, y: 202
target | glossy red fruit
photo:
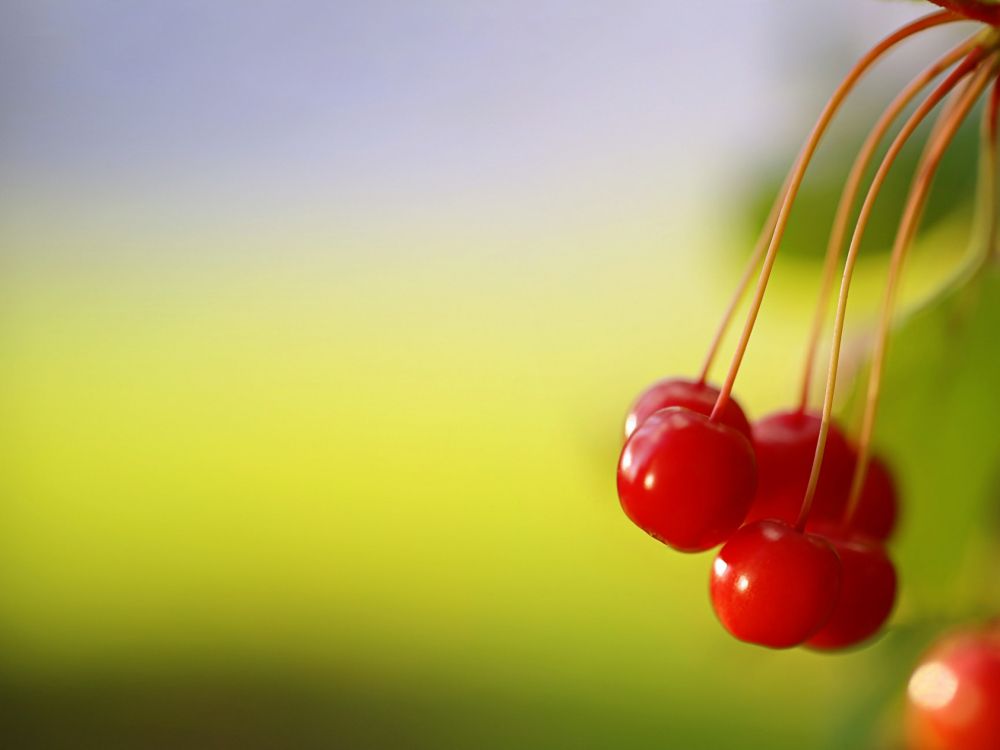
x: 699, y: 397
x: 774, y: 586
x: 867, y: 594
x: 878, y: 507
x: 785, y: 444
x: 685, y: 479
x: 988, y: 12
x: 953, y: 698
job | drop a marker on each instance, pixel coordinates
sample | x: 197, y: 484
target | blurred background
x: 318, y: 322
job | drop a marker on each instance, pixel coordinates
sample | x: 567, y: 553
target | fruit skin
x: 878, y: 507
x: 691, y: 394
x: 953, y: 700
x: 867, y: 594
x: 686, y: 480
x: 785, y: 444
x: 974, y: 9
x: 774, y: 586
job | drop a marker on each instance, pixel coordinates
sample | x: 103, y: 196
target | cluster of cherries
x: 802, y: 512
x: 782, y: 579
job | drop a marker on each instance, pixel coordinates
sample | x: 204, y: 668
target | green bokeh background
x: 341, y: 475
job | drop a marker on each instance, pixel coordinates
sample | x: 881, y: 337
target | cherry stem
x: 914, y: 121
x: 849, y: 197
x: 991, y: 128
x: 984, y: 244
x: 741, y: 288
x: 795, y: 182
x: 912, y: 214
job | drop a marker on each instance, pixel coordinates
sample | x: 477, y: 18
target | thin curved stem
x: 914, y: 121
x: 991, y: 157
x: 979, y: 255
x: 744, y: 283
x: 798, y: 173
x: 912, y: 214
x: 850, y: 195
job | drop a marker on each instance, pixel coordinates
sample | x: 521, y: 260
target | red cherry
x: 878, y: 506
x: 953, y: 699
x: 785, y: 443
x: 685, y: 479
x: 774, y: 586
x: 699, y: 397
x: 867, y: 594
x: 987, y: 12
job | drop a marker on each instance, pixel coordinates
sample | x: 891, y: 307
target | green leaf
x: 814, y: 208
x: 938, y: 423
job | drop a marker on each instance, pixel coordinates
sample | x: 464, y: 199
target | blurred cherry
x: 785, y: 445
x: 953, y: 698
x: 867, y: 594
x: 878, y: 507
x: 691, y: 394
